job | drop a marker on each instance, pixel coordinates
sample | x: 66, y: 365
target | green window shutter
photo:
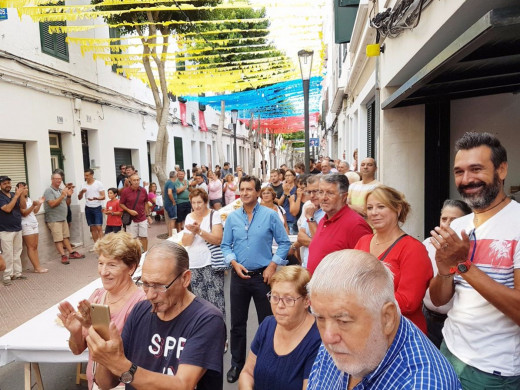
x: 344, y: 19
x: 348, y: 3
x: 54, y: 44
x: 115, y: 33
x: 61, y: 46
x: 46, y: 39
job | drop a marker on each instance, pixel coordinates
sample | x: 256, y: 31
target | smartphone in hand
x: 100, y: 316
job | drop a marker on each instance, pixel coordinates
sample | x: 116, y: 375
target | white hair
x: 354, y: 272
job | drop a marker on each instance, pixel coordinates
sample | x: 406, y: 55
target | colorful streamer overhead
x: 200, y: 60
x: 275, y: 101
x: 287, y: 124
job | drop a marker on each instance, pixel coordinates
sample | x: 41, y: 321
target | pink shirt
x: 119, y: 318
x: 215, y: 189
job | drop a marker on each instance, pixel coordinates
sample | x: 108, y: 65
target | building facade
x: 62, y: 109
x: 456, y: 69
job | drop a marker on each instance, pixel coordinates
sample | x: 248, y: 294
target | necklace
x: 384, y: 242
x: 122, y: 296
x: 491, y: 208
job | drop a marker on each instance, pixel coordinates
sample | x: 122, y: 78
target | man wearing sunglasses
x: 172, y: 340
x: 478, y: 259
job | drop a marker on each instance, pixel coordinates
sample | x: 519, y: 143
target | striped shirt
x: 476, y: 332
x: 411, y: 362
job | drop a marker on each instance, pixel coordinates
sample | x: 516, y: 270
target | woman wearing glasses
x: 407, y: 258
x: 286, y: 344
x: 119, y: 256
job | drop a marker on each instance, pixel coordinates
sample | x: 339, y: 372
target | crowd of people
x: 344, y: 297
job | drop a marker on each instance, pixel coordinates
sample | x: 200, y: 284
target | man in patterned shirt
x: 366, y: 342
x: 478, y: 260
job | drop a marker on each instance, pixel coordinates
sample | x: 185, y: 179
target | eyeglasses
x: 287, y: 301
x: 473, y: 237
x: 313, y: 192
x: 329, y: 194
x: 156, y: 287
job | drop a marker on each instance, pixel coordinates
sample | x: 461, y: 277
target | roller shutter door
x: 12, y: 161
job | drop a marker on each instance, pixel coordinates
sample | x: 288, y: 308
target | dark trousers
x: 434, y: 325
x: 241, y: 292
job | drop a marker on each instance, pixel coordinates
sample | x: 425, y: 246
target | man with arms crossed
x: 358, y: 190
x: 247, y: 246
x: 56, y: 202
x: 173, y: 340
x: 366, y: 342
x: 478, y: 259
x: 183, y: 199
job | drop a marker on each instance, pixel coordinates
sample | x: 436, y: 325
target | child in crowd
x: 113, y: 212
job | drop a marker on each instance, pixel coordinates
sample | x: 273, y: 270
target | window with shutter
x: 371, y: 129
x: 12, y: 161
x: 115, y: 33
x: 54, y: 44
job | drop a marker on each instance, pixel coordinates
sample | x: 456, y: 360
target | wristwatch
x: 461, y: 268
x: 128, y: 376
x: 311, y: 219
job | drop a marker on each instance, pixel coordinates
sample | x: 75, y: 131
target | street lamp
x: 234, y: 117
x: 305, y: 58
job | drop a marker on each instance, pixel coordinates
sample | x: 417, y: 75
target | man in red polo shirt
x: 139, y: 226
x: 341, y: 227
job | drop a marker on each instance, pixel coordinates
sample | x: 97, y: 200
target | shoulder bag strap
x: 137, y: 198
x: 211, y: 220
x: 391, y: 246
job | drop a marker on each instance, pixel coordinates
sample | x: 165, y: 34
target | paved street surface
x: 25, y: 299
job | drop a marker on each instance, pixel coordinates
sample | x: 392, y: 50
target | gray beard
x: 486, y: 196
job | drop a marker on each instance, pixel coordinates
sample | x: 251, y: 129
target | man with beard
x: 478, y: 259
x: 11, y: 204
x: 366, y: 342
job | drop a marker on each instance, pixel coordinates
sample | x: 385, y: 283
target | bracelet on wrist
x: 446, y: 275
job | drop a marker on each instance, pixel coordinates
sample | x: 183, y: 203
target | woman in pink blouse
x: 229, y: 188
x: 119, y: 256
x: 214, y: 191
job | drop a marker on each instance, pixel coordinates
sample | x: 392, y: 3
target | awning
x: 484, y: 60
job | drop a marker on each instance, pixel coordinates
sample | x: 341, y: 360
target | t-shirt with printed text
x: 195, y: 337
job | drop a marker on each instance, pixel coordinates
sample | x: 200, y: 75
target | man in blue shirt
x: 170, y: 201
x: 247, y: 246
x: 366, y: 342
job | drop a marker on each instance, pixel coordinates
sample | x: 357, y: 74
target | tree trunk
x: 161, y: 145
x: 220, y: 130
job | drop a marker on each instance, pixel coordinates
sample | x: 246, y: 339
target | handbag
x: 217, y: 257
x: 127, y: 217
